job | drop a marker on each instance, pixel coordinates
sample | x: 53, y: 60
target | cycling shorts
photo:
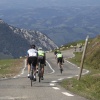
x: 41, y: 59
x: 59, y: 60
x: 32, y: 60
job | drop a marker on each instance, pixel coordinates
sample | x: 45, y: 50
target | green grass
x: 89, y: 85
x: 10, y: 67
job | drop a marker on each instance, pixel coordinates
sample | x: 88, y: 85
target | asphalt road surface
x: 19, y: 87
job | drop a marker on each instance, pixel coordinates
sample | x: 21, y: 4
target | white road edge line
x: 56, y: 88
x: 54, y: 81
x: 60, y: 79
x: 52, y: 84
x: 53, y: 71
x: 22, y: 70
x: 67, y: 94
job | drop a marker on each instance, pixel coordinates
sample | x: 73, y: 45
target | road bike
x: 60, y: 66
x: 40, y: 74
x: 31, y: 74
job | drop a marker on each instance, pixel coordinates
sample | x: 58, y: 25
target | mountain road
x: 19, y: 87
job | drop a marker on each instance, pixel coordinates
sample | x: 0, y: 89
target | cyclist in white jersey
x: 32, y: 59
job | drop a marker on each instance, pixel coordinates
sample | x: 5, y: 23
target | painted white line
x: 11, y: 98
x: 51, y: 84
x: 53, y: 71
x: 85, y: 72
x: 69, y: 77
x: 67, y: 94
x: 22, y: 70
x: 56, y: 88
x: 60, y: 79
x: 53, y: 81
x: 70, y: 63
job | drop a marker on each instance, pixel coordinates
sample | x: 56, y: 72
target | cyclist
x: 42, y: 59
x: 55, y: 53
x: 32, y: 59
x: 60, y: 58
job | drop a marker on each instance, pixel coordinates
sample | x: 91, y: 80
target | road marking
x: 60, y: 79
x: 53, y: 71
x: 22, y: 70
x: 54, y: 81
x: 11, y: 98
x: 52, y: 84
x: 69, y: 77
x: 56, y: 88
x: 68, y: 94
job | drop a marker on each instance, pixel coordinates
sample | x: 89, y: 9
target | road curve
x: 19, y: 87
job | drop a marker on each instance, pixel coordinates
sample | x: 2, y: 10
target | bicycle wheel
x: 60, y: 67
x: 39, y: 73
x: 31, y: 76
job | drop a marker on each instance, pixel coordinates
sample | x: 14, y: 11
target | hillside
x: 14, y: 42
x: 93, y: 53
x: 88, y: 85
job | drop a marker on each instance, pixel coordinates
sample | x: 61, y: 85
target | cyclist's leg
x: 41, y: 60
x: 29, y: 63
x: 61, y: 61
x: 42, y: 70
x: 58, y: 62
x: 34, y: 66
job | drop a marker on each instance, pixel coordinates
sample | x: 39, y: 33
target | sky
x: 46, y: 3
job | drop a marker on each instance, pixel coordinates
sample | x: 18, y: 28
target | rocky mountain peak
x: 15, y: 41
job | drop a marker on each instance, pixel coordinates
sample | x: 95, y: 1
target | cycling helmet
x: 40, y: 48
x: 58, y: 51
x: 32, y: 46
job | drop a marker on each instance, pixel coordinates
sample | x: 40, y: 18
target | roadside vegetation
x: 10, y: 67
x: 89, y: 85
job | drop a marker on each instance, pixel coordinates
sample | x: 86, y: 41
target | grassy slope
x: 89, y: 85
x: 10, y: 67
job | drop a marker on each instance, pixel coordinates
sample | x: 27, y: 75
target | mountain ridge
x: 15, y: 41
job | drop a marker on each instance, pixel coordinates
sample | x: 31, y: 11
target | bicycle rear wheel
x: 39, y: 73
x: 60, y: 68
x: 31, y: 76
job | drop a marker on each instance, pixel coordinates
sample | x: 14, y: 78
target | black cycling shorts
x: 32, y: 60
x: 59, y: 60
x: 41, y: 59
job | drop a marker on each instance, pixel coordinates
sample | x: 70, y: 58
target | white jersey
x: 32, y: 52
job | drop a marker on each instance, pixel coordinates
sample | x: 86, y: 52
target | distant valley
x: 65, y: 21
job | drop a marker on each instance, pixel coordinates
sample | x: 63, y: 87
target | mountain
x: 15, y: 42
x: 67, y: 20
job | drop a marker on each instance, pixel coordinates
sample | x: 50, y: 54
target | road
x: 19, y: 87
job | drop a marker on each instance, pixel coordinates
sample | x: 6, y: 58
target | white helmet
x: 40, y: 48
